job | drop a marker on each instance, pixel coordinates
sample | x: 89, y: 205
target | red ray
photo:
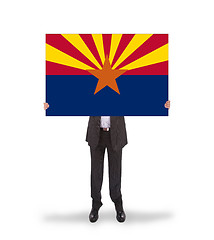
x: 154, y: 69
x: 107, y: 43
x: 59, y: 42
x: 125, y: 39
x: 154, y: 42
x: 89, y: 41
x: 59, y: 69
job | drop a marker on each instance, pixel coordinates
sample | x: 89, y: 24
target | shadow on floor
x: 131, y: 217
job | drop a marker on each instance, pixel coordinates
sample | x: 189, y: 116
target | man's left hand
x: 167, y: 104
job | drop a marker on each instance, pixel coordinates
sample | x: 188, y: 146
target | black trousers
x: 114, y: 170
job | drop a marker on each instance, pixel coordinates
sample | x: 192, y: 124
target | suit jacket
x: 118, y: 131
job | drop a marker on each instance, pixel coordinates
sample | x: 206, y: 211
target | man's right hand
x: 46, y: 106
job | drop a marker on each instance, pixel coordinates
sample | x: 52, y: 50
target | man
x: 106, y: 132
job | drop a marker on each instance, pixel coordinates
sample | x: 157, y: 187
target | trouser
x: 114, y: 170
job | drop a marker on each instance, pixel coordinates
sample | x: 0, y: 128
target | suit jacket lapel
x: 113, y: 121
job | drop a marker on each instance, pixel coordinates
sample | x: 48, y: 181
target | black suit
x: 114, y: 140
x: 118, y: 131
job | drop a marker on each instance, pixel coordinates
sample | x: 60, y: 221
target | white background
x: 167, y: 177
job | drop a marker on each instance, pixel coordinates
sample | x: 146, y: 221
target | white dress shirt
x: 105, y: 122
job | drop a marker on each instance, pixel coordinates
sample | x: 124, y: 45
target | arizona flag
x: 106, y: 74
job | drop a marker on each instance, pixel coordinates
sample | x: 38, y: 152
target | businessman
x: 106, y: 132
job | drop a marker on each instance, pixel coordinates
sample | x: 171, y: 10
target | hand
x: 167, y: 104
x: 46, y: 106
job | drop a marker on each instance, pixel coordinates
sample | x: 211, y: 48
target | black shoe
x: 121, y: 216
x: 93, y: 216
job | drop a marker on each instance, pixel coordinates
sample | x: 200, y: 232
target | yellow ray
x: 115, y: 40
x: 158, y: 55
x: 98, y: 40
x: 78, y: 43
x: 135, y: 43
x: 57, y: 56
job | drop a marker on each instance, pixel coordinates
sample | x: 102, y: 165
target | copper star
x: 107, y: 76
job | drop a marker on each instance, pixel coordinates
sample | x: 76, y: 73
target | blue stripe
x: 73, y: 95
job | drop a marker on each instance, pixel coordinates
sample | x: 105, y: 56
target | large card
x: 106, y: 74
